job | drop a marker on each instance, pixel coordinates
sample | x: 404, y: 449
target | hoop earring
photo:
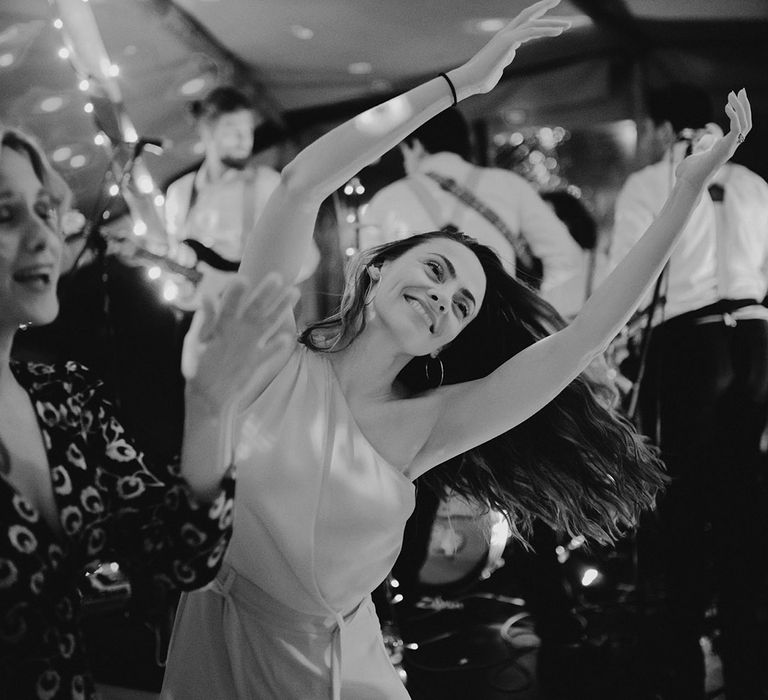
x: 441, y: 373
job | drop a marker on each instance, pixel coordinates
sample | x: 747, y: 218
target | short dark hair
x: 221, y: 100
x: 572, y: 211
x: 448, y: 131
x: 684, y: 106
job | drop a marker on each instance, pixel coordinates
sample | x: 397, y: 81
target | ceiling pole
x: 194, y: 34
x: 614, y: 15
x: 639, y: 81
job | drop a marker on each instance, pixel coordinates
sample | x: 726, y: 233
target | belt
x: 755, y: 312
x: 726, y: 311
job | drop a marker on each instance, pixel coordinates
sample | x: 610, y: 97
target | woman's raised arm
x: 283, y: 232
x: 474, y: 412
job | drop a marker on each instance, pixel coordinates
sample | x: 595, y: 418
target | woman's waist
x: 308, y: 577
x: 299, y: 613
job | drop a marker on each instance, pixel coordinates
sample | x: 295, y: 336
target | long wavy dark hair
x: 577, y: 464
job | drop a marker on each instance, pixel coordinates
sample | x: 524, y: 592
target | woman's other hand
x: 699, y: 167
x: 241, y: 344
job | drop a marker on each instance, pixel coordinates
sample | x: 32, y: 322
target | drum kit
x: 466, y: 540
x: 452, y: 618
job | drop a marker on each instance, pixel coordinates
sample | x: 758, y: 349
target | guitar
x: 214, y: 272
x: 147, y: 258
x: 208, y: 275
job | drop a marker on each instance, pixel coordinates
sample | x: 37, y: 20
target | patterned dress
x: 111, y: 508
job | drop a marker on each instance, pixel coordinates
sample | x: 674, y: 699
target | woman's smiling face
x: 429, y: 294
x: 30, y: 244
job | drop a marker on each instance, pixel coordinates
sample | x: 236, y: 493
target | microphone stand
x: 97, y: 243
x: 686, y: 136
x: 658, y: 300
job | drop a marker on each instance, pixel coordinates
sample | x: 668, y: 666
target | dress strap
x: 336, y: 647
x: 342, y: 621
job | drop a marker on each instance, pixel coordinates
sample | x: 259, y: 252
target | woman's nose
x: 37, y: 235
x: 440, y: 303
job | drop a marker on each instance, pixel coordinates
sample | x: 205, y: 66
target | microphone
x: 699, y: 140
x: 686, y: 136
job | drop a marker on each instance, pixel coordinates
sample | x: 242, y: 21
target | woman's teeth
x: 422, y: 312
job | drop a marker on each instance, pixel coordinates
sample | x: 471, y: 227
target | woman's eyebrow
x: 452, y: 272
x: 448, y: 264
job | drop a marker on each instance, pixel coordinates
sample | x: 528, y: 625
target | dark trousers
x: 704, y: 397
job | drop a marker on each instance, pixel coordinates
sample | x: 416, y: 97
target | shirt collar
x: 444, y: 162
x: 203, y: 179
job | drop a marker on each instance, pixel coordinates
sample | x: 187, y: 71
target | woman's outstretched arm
x: 472, y: 413
x: 283, y: 232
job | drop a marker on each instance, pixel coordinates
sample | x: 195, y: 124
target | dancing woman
x: 438, y: 364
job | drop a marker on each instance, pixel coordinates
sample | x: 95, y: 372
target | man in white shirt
x: 704, y: 399
x: 418, y: 203
x: 218, y: 203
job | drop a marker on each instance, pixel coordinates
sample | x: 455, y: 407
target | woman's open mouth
x: 422, y: 311
x: 38, y: 278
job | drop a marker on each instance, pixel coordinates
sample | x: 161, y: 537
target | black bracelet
x: 453, y: 89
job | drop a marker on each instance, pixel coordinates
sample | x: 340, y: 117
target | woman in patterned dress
x: 74, y: 488
x: 438, y: 365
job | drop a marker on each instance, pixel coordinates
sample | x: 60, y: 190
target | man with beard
x: 218, y: 203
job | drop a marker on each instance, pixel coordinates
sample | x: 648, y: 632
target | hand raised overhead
x: 699, y: 167
x: 481, y: 72
x: 239, y: 346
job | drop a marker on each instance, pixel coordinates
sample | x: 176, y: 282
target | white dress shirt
x: 216, y: 218
x: 723, y: 251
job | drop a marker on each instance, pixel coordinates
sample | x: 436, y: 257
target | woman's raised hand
x: 699, y: 167
x: 239, y: 346
x: 481, y: 72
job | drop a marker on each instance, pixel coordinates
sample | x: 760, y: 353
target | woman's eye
x: 47, y: 212
x: 463, y: 309
x: 436, y: 269
x: 6, y: 213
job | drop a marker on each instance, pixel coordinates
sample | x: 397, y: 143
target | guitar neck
x: 190, y: 273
